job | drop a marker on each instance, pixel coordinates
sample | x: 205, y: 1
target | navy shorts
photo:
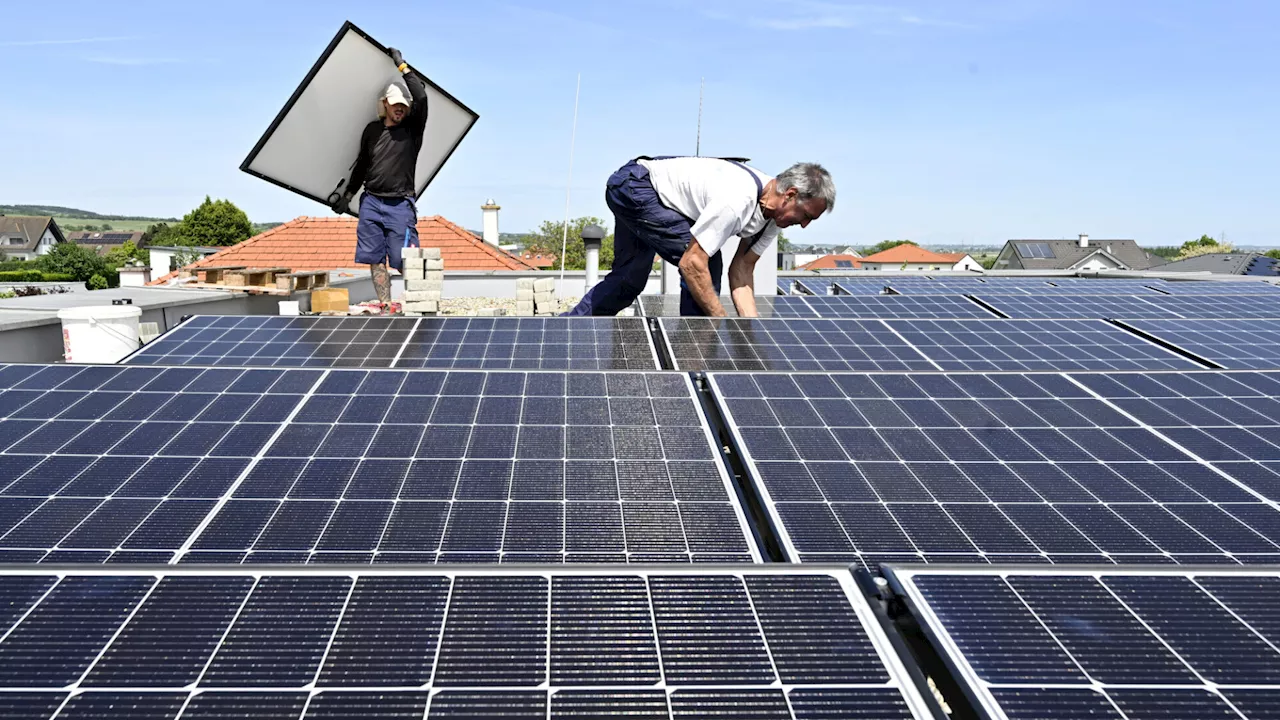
x: 386, y: 226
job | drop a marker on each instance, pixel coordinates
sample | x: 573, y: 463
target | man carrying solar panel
x: 684, y: 209
x: 389, y: 149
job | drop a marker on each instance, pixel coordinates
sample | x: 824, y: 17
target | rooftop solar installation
x: 745, y: 642
x: 1214, y: 307
x: 859, y: 286
x: 140, y: 464
x: 815, y: 285
x: 979, y: 468
x: 896, y: 306
x: 440, y: 342
x: 1233, y: 344
x: 767, y: 306
x: 788, y: 345
x: 1050, y: 306
x: 1031, y: 345
x: 1111, y: 644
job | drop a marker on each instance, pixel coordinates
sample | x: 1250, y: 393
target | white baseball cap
x: 397, y: 95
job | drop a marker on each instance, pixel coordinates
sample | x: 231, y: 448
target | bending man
x: 684, y: 210
x: 385, y: 166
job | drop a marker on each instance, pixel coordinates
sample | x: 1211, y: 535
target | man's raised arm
x: 697, y: 276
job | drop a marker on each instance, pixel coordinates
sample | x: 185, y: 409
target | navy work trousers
x: 643, y: 228
x: 386, y: 226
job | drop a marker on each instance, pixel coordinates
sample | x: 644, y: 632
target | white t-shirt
x: 718, y: 196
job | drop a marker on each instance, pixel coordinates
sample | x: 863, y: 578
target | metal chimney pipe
x: 592, y: 237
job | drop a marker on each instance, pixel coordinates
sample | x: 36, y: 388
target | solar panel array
x: 422, y: 643
x: 910, y: 345
x: 783, y: 306
x: 1057, y: 307
x: 977, y: 468
x: 433, y: 342
x: 896, y: 306
x: 228, y: 465
x: 1108, y: 643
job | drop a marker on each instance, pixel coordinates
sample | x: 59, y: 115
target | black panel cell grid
x: 896, y: 306
x: 278, y: 341
x: 1077, y: 306
x: 486, y: 467
x: 742, y: 642
x: 122, y: 464
x: 1233, y: 344
x: 788, y: 345
x: 1235, y: 287
x: 530, y: 344
x: 1001, y: 468
x: 1111, y: 644
x: 1034, y: 345
x: 379, y: 342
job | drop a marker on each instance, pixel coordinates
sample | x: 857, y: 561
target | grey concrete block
x: 544, y: 284
x: 434, y: 264
x: 411, y: 296
x: 524, y: 283
x: 411, y: 252
x: 430, y: 306
x: 431, y: 253
x: 524, y: 293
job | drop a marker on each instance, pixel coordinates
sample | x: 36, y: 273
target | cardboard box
x: 330, y: 300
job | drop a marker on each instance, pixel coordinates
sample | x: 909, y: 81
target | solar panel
x: 896, y: 306
x: 123, y: 464
x: 767, y: 306
x: 745, y: 642
x: 1234, y: 344
x: 814, y: 286
x: 1079, y: 306
x: 138, y: 464
x: 787, y: 345
x: 1219, y: 287
x: 1104, y: 643
x: 1218, y: 306
x: 1230, y: 420
x: 543, y: 343
x: 1031, y: 345
x: 859, y: 286
x: 978, y: 468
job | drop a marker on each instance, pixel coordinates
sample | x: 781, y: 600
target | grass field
x: 69, y: 224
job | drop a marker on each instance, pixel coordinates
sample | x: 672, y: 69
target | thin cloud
x: 64, y: 41
x: 133, y: 62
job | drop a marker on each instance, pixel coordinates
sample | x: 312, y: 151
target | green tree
x: 126, y: 253
x: 548, y: 237
x: 1204, y: 245
x: 1273, y: 254
x: 75, y: 260
x: 96, y: 282
x: 215, y: 223
x: 885, y: 245
x: 784, y: 245
x: 162, y: 234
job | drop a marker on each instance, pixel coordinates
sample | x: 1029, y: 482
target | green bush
x: 58, y: 277
x: 22, y: 276
x: 97, y: 282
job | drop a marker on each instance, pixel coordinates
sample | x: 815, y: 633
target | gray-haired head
x: 810, y: 180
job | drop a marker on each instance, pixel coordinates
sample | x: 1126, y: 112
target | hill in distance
x: 74, y: 219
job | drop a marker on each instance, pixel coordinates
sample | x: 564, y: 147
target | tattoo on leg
x: 381, y: 282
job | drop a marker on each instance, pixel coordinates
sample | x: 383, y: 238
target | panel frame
x: 900, y: 579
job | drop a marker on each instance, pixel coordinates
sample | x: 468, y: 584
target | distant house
x: 801, y: 255
x: 104, y: 241
x: 542, y: 261
x: 1249, y: 263
x: 907, y: 257
x: 329, y: 243
x: 26, y: 237
x: 834, y: 262
x: 1079, y: 254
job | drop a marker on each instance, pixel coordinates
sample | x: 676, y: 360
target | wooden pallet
x: 258, y: 277
x: 247, y: 289
x: 299, y: 281
x: 216, y: 274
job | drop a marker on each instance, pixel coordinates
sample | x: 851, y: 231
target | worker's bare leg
x: 381, y: 282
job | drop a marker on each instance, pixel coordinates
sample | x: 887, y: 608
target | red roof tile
x: 329, y: 243
x: 828, y: 262
x: 907, y: 253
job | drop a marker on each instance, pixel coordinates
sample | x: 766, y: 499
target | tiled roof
x: 907, y: 253
x: 329, y: 243
x: 828, y: 262
x: 29, y: 227
x: 1068, y: 253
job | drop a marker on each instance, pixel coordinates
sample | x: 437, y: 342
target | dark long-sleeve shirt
x: 388, y: 155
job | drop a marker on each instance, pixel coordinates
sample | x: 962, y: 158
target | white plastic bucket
x: 289, y: 307
x: 99, y: 333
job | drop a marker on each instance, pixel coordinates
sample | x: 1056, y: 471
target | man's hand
x: 742, y: 280
x: 343, y: 205
x: 693, y: 267
x: 396, y: 57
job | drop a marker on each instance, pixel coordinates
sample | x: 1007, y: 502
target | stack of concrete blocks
x: 524, y: 297
x: 544, y: 297
x: 423, y: 281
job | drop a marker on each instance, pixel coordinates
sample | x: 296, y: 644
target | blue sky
x: 941, y: 121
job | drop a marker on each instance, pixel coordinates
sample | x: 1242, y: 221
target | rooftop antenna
x: 564, y: 240
x: 702, y: 84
